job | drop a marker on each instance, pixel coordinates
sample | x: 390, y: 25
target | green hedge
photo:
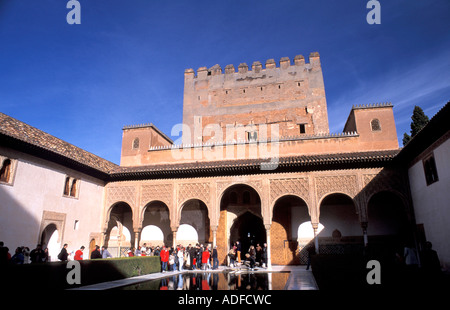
x: 53, y: 275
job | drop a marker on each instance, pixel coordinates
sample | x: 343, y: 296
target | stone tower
x: 291, y: 96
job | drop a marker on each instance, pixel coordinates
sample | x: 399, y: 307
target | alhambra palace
x: 256, y: 163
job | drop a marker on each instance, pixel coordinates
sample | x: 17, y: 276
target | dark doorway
x: 249, y: 230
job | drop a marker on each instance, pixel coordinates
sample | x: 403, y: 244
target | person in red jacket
x: 164, y: 258
x: 79, y: 254
x: 205, y: 258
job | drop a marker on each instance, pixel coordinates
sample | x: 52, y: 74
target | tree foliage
x: 419, y: 120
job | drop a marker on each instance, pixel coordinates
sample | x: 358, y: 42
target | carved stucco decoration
x: 294, y: 186
x: 161, y: 192
x: 346, y: 184
x: 194, y: 191
x: 121, y: 193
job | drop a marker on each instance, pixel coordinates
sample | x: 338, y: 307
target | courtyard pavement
x: 299, y: 278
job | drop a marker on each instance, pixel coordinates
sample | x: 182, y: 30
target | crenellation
x: 243, y: 68
x: 285, y: 62
x: 246, y: 94
x: 271, y: 64
x: 257, y: 67
x: 229, y: 69
x: 299, y: 60
x: 372, y: 105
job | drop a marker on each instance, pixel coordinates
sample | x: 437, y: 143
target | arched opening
x: 194, y: 213
x: 157, y: 214
x: 289, y: 212
x: 249, y: 230
x: 240, y: 214
x: 342, y: 232
x: 338, y: 214
x: 50, y: 240
x: 387, y: 219
x: 187, y: 234
x: 119, y: 226
x: 152, y: 235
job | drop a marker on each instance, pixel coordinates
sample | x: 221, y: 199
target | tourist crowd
x: 201, y: 257
x: 180, y: 258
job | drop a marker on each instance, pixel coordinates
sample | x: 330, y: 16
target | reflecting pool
x: 215, y: 281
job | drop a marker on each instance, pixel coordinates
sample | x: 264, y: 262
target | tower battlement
x: 290, y: 94
x: 256, y: 67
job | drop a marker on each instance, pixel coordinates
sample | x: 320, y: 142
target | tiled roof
x: 18, y: 130
x: 254, y: 165
x: 46, y: 145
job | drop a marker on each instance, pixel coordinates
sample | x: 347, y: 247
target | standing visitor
x: 205, y: 258
x: 238, y: 251
x: 79, y: 254
x: 264, y: 256
x: 215, y: 258
x: 37, y: 255
x: 63, y: 255
x: 164, y: 258
x: 180, y: 255
x: 96, y: 253
x: 17, y: 258
x: 105, y: 253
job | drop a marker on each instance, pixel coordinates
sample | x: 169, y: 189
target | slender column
x: 269, y: 259
x: 214, y: 237
x: 316, y: 239
x: 102, y: 239
x: 174, y: 233
x: 364, y: 228
x: 136, y: 239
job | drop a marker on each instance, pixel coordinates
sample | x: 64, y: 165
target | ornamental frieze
x: 346, y: 184
x: 295, y: 186
x: 121, y: 193
x: 161, y: 192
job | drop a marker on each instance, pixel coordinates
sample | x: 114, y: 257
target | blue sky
x: 124, y: 64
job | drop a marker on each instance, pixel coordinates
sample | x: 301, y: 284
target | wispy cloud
x: 421, y: 85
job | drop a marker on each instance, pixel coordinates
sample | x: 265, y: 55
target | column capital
x: 267, y: 226
x: 364, y: 225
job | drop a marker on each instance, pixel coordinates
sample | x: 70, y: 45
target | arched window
x: 375, y: 125
x: 233, y: 197
x: 136, y: 143
x: 246, y: 197
x: 73, y: 188
x: 67, y: 186
x: 5, y: 172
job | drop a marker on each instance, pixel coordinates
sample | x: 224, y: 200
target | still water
x: 215, y: 281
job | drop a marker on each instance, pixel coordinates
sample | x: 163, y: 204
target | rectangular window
x: 252, y: 135
x: 7, y: 167
x: 302, y: 128
x: 429, y: 166
x: 71, y: 186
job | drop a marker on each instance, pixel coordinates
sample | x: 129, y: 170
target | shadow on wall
x: 18, y: 227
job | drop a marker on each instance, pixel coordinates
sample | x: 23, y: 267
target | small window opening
x: 375, y: 124
x: 73, y: 188
x: 5, y: 172
x: 252, y: 136
x: 431, y: 175
x: 246, y: 197
x: 136, y: 143
x: 66, y: 186
x: 302, y: 128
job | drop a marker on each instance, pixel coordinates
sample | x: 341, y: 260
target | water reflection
x: 216, y: 281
